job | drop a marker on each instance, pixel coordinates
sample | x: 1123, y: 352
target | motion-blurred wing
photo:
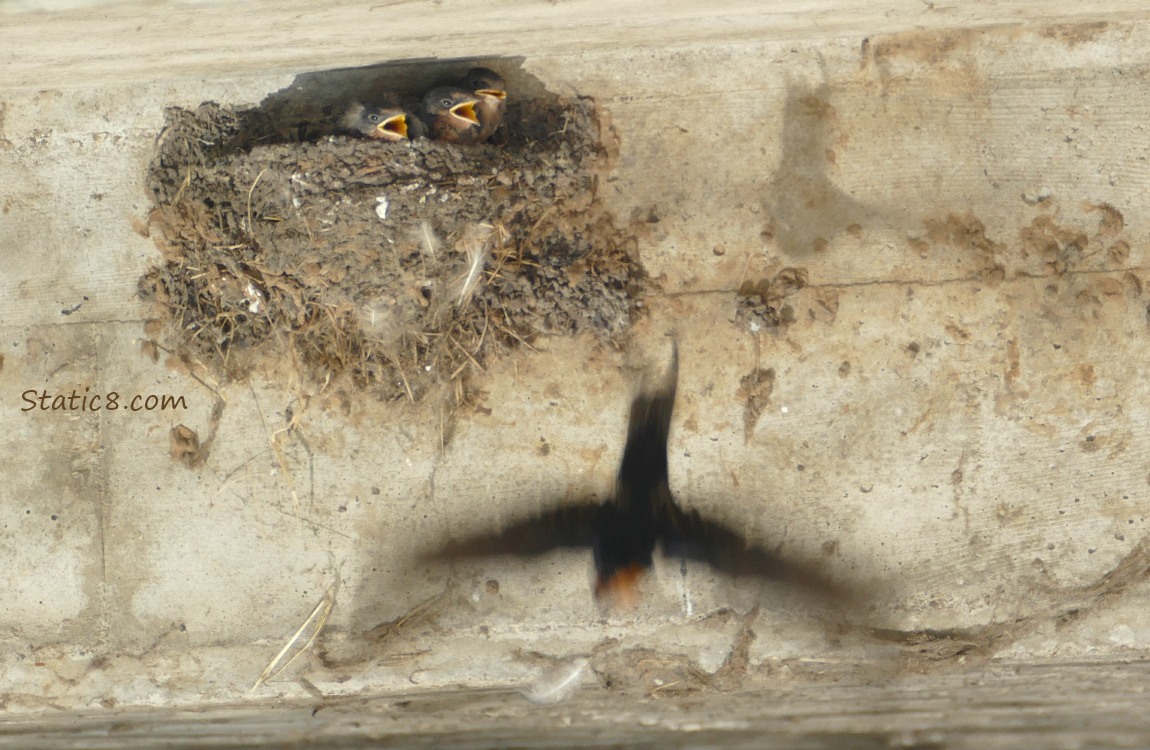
x: 689, y: 535
x: 567, y: 526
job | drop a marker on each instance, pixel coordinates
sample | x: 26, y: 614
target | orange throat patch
x: 621, y: 590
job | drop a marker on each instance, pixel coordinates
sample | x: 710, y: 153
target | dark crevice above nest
x: 395, y: 266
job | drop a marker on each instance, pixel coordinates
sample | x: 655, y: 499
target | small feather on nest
x: 475, y: 244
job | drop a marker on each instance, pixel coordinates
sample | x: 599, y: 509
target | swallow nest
x: 394, y: 267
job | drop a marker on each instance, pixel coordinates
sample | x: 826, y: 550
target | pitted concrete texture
x: 956, y: 413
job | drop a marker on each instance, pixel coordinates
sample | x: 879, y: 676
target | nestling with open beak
x: 624, y: 531
x: 488, y: 87
x: 451, y: 115
x: 383, y: 123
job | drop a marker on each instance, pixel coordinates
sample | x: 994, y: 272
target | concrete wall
x: 958, y: 410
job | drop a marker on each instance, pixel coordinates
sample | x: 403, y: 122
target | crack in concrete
x: 956, y: 280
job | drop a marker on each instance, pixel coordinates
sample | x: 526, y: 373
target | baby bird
x: 383, y: 123
x: 488, y: 87
x: 451, y: 116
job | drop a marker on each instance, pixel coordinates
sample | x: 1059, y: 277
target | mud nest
x: 761, y: 304
x: 393, y: 266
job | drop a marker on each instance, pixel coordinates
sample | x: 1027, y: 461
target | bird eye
x: 446, y: 103
x: 373, y: 118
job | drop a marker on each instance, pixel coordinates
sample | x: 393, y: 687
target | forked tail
x: 644, y: 464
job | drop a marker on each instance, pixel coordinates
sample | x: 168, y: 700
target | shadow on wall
x: 807, y: 209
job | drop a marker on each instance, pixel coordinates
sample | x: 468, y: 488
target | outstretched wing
x: 566, y: 526
x: 689, y: 535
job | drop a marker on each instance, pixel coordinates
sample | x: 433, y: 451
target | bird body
x: 489, y: 89
x: 641, y: 515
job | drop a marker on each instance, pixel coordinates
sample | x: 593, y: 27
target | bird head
x: 486, y: 83
x: 379, y: 123
x: 452, y: 105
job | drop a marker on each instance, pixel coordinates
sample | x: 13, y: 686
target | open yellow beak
x: 466, y: 111
x: 393, y: 128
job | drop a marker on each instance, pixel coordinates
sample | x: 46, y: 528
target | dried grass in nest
x: 280, y: 250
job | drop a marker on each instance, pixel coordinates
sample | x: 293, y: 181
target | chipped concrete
x: 956, y: 409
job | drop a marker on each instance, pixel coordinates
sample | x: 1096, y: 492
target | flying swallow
x: 385, y: 123
x: 488, y: 87
x: 642, y: 515
x: 451, y: 115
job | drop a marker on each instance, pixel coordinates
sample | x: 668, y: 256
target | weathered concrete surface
x: 1010, y: 705
x: 958, y: 409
